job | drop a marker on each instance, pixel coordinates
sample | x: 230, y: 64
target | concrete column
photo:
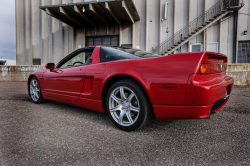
x: 28, y: 34
x: 133, y: 32
x: 147, y: 22
x: 213, y: 31
x: 71, y: 39
x: 20, y: 33
x: 65, y: 40
x: 141, y: 8
x: 161, y: 17
x: 79, y: 37
x: 47, y: 35
x: 169, y: 23
x: 181, y: 18
x: 126, y: 32
x: 137, y: 34
x: 120, y: 34
x: 57, y: 53
x: 66, y: 34
x: 196, y: 8
x: 36, y: 29
x: 140, y: 29
x: 152, y: 24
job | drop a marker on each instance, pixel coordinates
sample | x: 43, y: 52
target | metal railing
x: 195, y: 25
x: 230, y: 3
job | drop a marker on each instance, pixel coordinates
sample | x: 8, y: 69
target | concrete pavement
x: 58, y: 134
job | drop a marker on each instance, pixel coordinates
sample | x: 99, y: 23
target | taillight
x: 203, y: 68
x: 213, y: 63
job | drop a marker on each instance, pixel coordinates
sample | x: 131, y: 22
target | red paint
x: 100, y: 69
x: 172, y: 83
x: 61, y: 83
x: 163, y: 112
x: 206, y: 89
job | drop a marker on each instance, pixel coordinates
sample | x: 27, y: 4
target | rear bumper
x: 205, y: 95
x: 207, y: 89
x: 164, y: 112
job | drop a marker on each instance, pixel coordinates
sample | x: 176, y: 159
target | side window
x: 81, y: 58
x: 113, y: 54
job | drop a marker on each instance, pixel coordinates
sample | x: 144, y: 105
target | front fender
x: 39, y: 75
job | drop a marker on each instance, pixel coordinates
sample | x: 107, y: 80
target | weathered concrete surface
x: 240, y: 73
x: 58, y: 134
x: 18, y: 73
x: 41, y: 36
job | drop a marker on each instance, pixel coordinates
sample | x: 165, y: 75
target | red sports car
x: 132, y: 85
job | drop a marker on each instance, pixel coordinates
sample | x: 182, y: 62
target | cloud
x: 8, y: 51
x: 7, y: 30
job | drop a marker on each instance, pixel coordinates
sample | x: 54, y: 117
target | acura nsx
x: 133, y: 86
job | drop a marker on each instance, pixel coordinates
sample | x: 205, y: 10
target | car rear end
x: 209, y: 86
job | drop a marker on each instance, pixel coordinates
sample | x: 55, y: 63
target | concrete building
x: 7, y: 62
x: 48, y: 30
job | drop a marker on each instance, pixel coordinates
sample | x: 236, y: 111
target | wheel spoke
x: 36, y: 94
x: 123, y: 97
x: 129, y: 117
x: 34, y: 83
x: 131, y: 97
x: 132, y: 108
x: 116, y: 98
x: 115, y: 109
x: 121, y: 116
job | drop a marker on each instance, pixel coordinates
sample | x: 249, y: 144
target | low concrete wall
x: 240, y: 72
x: 18, y: 73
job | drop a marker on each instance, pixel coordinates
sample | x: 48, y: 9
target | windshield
x: 111, y: 53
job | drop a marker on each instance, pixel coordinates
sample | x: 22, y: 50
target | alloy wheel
x: 124, y: 106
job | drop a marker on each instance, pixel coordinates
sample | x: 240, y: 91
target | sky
x: 7, y: 30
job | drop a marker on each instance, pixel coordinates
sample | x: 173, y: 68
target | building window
x: 36, y: 61
x: 196, y: 47
x: 102, y: 40
x: 212, y: 47
x: 243, y: 52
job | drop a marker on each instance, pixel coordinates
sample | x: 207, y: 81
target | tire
x: 35, y: 91
x: 129, y: 110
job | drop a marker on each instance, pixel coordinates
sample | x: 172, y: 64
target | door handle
x: 81, y: 69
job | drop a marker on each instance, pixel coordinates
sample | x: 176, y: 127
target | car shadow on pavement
x: 102, y: 118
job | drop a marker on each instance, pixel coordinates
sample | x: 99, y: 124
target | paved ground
x: 58, y: 134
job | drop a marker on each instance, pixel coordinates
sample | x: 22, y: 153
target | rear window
x: 118, y: 53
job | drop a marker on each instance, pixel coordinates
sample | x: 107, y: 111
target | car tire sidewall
x: 40, y: 100
x: 141, y: 98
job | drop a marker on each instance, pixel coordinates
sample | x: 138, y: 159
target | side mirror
x: 50, y: 66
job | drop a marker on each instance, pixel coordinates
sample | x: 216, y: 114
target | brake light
x: 213, y: 63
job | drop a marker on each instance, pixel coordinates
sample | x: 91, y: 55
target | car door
x: 67, y: 80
